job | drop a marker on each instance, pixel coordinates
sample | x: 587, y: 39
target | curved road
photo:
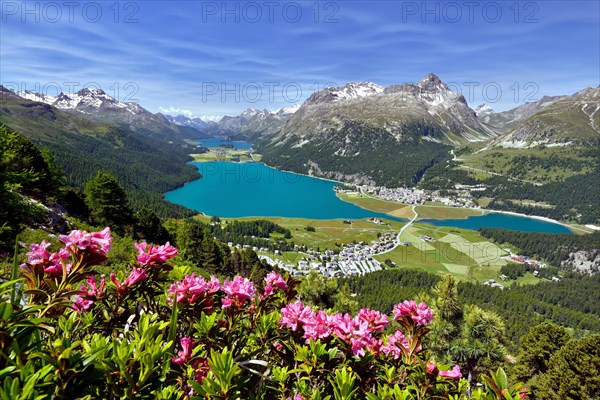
x: 402, y: 230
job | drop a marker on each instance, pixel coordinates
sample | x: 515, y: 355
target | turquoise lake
x: 234, y: 190
x: 218, y: 142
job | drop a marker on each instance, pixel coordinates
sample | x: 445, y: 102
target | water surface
x: 235, y: 190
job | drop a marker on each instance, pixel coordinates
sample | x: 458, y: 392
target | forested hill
x: 552, y: 248
x: 146, y: 167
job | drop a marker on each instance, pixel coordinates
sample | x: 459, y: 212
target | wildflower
x: 193, y: 289
x: 375, y: 319
x: 396, y: 345
x: 51, y: 262
x: 294, y: 315
x: 184, y: 355
x: 316, y: 325
x: 431, y: 368
x: 90, y: 294
x: 421, y: 314
x: 94, y: 290
x: 273, y: 280
x: 150, y: 254
x: 523, y: 393
x: 38, y: 253
x: 238, y: 291
x: 81, y: 304
x: 454, y: 373
x: 201, y: 369
x: 95, y: 242
x: 135, y: 276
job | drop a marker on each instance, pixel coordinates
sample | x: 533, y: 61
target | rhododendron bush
x: 157, y: 332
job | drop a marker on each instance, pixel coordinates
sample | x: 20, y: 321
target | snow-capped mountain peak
x: 355, y: 90
x: 290, y: 109
x: 86, y: 100
x: 33, y: 96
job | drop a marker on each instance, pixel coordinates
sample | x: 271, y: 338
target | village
x: 353, y: 259
x: 461, y: 198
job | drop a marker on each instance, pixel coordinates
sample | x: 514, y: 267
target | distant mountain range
x: 97, y: 106
x: 146, y: 163
x: 339, y: 132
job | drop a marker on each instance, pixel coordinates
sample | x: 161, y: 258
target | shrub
x: 74, y: 334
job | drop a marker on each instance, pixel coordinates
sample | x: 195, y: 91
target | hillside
x: 506, y: 120
x: 147, y: 167
x: 568, y: 120
x: 365, y: 133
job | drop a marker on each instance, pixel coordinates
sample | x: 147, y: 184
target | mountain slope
x: 366, y: 133
x: 506, y: 120
x: 97, y: 106
x: 146, y: 167
x: 569, y: 120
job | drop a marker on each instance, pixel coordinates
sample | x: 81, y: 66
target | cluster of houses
x: 526, y: 260
x: 353, y: 259
x: 462, y: 197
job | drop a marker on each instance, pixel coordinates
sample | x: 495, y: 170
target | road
x: 414, y: 210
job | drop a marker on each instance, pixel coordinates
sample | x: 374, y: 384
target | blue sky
x: 212, y: 58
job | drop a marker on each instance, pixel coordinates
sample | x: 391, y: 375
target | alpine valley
x: 416, y: 162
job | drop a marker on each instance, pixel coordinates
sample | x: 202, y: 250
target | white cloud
x: 176, y: 111
x: 214, y: 118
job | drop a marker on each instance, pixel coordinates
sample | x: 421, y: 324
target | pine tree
x: 107, y: 201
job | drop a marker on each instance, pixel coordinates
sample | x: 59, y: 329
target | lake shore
x: 476, y: 212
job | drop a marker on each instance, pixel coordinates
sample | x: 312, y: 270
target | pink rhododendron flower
x: 81, y: 304
x: 523, y: 394
x: 454, y: 373
x: 94, y: 290
x: 184, y: 355
x: 95, y: 242
x: 90, y: 294
x: 54, y: 265
x: 38, y: 253
x: 201, y: 369
x: 294, y: 314
x: 135, y: 276
x: 238, y: 291
x: 296, y: 397
x: 421, y: 314
x: 316, y: 325
x: 52, y: 262
x: 430, y: 367
x: 375, y: 319
x: 396, y: 345
x: 150, y: 254
x: 273, y: 280
x: 192, y: 289
x: 355, y: 332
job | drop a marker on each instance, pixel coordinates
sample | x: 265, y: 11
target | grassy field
x: 462, y: 253
x: 370, y: 203
x: 328, y: 233
x: 446, y: 212
x: 430, y: 210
